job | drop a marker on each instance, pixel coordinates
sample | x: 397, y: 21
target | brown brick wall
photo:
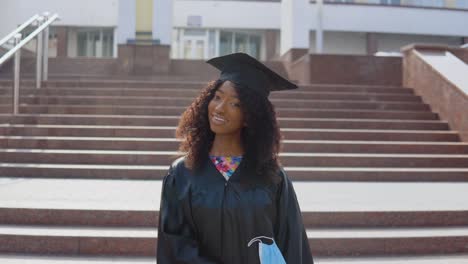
x: 444, y: 97
x: 355, y: 69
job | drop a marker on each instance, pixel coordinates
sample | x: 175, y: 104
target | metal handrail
x: 23, y: 42
x: 42, y: 33
x: 19, y: 29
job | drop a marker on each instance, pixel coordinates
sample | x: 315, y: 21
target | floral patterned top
x: 226, y: 165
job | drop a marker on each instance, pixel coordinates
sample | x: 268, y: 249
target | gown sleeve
x: 291, y: 236
x: 176, y: 239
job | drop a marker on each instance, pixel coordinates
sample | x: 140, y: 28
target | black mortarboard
x: 241, y: 68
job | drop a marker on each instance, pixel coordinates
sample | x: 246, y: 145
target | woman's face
x: 224, y: 110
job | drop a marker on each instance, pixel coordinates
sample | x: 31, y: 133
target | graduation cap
x: 243, y: 69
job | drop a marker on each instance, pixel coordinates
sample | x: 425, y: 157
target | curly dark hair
x: 261, y: 138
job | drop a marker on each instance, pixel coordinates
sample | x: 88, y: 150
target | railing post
x: 39, y: 43
x: 16, y: 81
x: 45, y: 54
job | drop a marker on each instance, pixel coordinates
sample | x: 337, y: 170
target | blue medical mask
x: 268, y: 254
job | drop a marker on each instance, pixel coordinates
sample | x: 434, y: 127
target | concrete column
x: 162, y: 21
x: 294, y: 28
x: 319, y: 28
x: 126, y: 21
x: 371, y: 43
x: 270, y: 43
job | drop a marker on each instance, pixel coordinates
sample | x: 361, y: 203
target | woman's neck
x: 227, y: 145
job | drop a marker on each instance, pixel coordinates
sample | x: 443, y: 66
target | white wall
x: 102, y: 13
x: 392, y: 42
x: 341, y: 43
x: 229, y: 14
x: 162, y: 21
x: 390, y: 19
x: 351, y: 18
x: 126, y: 21
x: 356, y: 42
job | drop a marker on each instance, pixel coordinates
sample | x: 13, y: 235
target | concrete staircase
x: 379, y: 177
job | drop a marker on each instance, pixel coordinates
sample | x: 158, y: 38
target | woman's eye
x: 236, y: 104
x: 216, y: 97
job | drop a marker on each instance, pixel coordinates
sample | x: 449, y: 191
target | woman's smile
x: 218, y: 120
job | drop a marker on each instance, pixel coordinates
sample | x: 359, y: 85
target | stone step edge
x: 165, y: 168
x: 57, y: 259
x: 282, y: 129
x: 147, y: 232
x: 286, y: 141
x: 148, y: 218
x: 331, y: 119
x: 84, y: 81
x: 281, y: 154
x: 184, y: 107
x: 277, y: 96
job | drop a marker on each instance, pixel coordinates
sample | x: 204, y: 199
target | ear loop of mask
x: 255, y: 239
x: 260, y: 244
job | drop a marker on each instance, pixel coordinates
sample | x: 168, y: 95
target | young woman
x: 228, y: 200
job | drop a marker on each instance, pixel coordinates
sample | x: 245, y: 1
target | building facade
x: 266, y: 29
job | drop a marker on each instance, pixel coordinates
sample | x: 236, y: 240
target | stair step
x: 143, y: 195
x: 121, y: 143
x: 78, y: 241
x: 391, y: 246
x: 162, y: 91
x: 287, y: 122
x: 170, y: 84
x: 186, y: 101
x: 100, y: 171
x: 313, y: 197
x: 30, y: 259
x: 311, y: 219
x: 152, y: 109
x: 177, y: 111
x: 302, y: 92
x: 386, y: 233
x: 139, y: 157
x: 281, y: 112
x: 289, y: 133
x: 78, y: 231
x: 435, y: 259
x: 142, y: 241
x: 135, y: 98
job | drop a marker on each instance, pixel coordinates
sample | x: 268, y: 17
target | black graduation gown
x: 206, y: 219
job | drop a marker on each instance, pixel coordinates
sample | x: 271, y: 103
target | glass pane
x: 254, y: 47
x: 95, y: 42
x: 212, y: 44
x: 81, y: 43
x: 187, y: 49
x: 241, y: 43
x: 225, y: 43
x: 107, y: 43
x: 194, y: 32
x: 199, y: 49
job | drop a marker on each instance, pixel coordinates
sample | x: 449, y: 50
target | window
x: 230, y: 42
x: 390, y: 2
x: 94, y: 42
x: 225, y: 43
x: 242, y: 42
